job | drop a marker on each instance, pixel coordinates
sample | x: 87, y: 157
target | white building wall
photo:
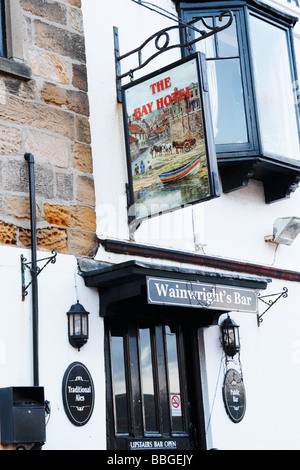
x: 232, y: 226
x: 59, y: 286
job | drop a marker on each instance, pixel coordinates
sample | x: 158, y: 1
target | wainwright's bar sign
x: 199, y: 295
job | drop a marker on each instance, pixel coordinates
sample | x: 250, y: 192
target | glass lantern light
x: 230, y: 337
x: 78, y: 325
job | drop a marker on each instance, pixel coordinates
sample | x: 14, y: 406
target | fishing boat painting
x: 170, y: 159
x: 178, y: 174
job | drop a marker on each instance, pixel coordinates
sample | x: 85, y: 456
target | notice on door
x: 175, y: 400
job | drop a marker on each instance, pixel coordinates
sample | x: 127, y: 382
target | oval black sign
x: 234, y: 395
x: 78, y: 394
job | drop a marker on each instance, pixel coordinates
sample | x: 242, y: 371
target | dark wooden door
x: 154, y: 398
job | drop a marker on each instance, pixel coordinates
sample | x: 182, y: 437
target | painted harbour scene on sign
x: 166, y: 140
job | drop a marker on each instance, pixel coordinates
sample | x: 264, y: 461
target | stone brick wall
x: 48, y: 116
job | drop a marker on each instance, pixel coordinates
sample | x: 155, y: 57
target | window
x: 2, y: 31
x: 252, y: 76
x: 226, y: 75
x: 274, y: 83
x: 11, y: 40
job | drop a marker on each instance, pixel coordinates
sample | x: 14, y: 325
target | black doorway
x: 154, y: 396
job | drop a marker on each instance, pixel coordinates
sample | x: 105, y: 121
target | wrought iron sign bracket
x: 163, y: 36
x: 133, y: 224
x: 270, y: 302
x: 34, y: 272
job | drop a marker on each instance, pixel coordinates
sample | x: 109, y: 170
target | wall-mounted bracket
x: 163, y: 36
x: 270, y: 302
x: 34, y: 272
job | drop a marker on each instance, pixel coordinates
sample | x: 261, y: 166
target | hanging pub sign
x: 170, y: 148
x: 234, y: 395
x: 78, y: 394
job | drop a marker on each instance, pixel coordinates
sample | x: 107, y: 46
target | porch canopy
x: 146, y: 289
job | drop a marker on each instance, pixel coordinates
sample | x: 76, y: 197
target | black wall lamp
x: 230, y: 337
x: 78, y: 325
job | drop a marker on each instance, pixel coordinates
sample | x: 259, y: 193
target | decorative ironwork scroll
x: 162, y: 43
x: 25, y: 264
x: 270, y: 302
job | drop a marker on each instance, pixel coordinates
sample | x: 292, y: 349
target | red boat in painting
x: 187, y: 170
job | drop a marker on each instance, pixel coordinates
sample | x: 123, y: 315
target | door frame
x: 190, y: 378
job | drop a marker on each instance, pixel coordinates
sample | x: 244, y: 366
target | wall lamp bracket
x: 270, y: 302
x: 270, y: 239
x: 285, y: 230
x: 34, y: 272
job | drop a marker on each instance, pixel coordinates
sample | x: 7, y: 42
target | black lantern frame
x: 78, y: 325
x: 230, y: 337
